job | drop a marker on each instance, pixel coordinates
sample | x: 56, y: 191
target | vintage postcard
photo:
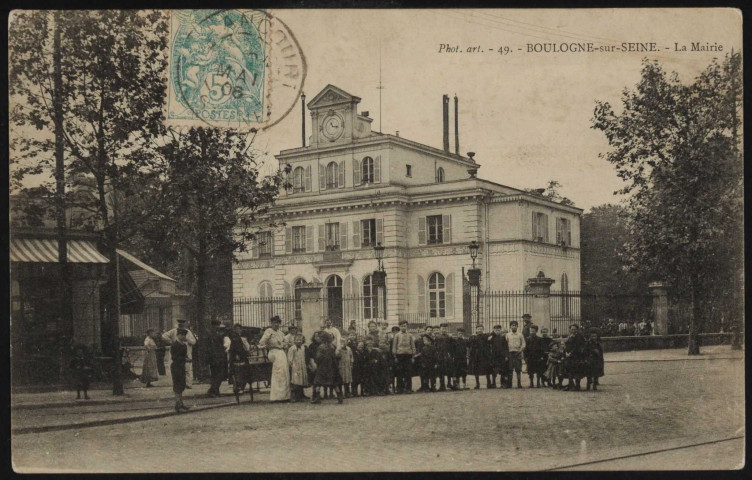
x: 330, y: 240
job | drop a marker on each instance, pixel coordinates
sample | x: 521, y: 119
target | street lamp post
x: 379, y: 276
x: 474, y: 279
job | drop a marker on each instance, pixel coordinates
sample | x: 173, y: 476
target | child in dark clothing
x: 360, y: 367
x: 81, y: 369
x: 428, y: 362
x: 594, y: 360
x: 374, y: 370
x: 327, y: 373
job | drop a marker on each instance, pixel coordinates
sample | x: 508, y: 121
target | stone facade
x: 352, y: 188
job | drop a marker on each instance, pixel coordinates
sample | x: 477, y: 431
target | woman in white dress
x: 273, y: 340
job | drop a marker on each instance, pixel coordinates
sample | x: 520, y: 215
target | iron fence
x: 256, y: 311
x: 156, y: 317
x: 503, y: 306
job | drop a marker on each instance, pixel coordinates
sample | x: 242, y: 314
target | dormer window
x: 439, y: 175
x: 367, y: 170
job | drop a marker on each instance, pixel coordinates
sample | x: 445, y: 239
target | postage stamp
x: 238, y: 69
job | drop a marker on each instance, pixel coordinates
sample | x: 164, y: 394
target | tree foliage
x: 678, y: 149
x: 551, y: 192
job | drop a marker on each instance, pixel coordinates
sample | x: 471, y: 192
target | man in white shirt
x: 516, y: 343
x: 190, y: 340
x: 334, y: 332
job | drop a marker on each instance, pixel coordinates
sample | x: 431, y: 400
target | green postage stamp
x: 238, y: 69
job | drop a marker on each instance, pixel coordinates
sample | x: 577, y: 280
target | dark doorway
x: 334, y: 300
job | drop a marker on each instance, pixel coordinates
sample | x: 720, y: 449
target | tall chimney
x: 456, y: 127
x: 446, y: 123
x: 302, y: 112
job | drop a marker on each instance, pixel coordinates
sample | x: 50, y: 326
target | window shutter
x: 446, y: 228
x: 288, y: 289
x: 322, y: 237
x: 380, y: 231
x: 559, y: 233
x: 377, y: 169
x: 535, y: 227
x: 422, y: 231
x: 254, y: 248
x: 288, y: 240
x: 545, y: 228
x: 356, y: 234
x: 308, y: 178
x: 341, y: 174
x: 356, y: 172
x: 309, y: 238
x: 449, y: 296
x: 343, y: 235
x: 569, y: 233
x: 421, y: 295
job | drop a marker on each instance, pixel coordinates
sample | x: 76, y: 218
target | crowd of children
x: 383, y: 363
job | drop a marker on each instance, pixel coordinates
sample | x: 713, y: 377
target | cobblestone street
x: 641, y: 406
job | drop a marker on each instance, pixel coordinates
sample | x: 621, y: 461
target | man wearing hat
x: 190, y: 340
x: 403, y: 349
x: 273, y: 341
x: 216, y: 358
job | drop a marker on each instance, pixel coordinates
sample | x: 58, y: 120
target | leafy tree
x: 551, y: 192
x: 110, y: 90
x: 603, y: 233
x: 677, y: 148
x: 213, y: 196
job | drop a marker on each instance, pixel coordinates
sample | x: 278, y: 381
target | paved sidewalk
x: 59, y: 410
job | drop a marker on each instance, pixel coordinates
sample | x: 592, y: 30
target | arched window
x: 298, y: 180
x: 440, y: 175
x: 332, y: 175
x: 436, y: 296
x: 334, y: 300
x: 298, y: 304
x: 370, y: 299
x: 266, y: 302
x: 367, y: 170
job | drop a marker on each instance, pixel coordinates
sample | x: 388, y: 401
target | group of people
x: 379, y: 362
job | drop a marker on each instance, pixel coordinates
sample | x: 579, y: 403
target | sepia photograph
x: 376, y: 240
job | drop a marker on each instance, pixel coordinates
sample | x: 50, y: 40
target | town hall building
x: 354, y: 188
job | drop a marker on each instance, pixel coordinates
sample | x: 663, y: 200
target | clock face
x: 332, y: 126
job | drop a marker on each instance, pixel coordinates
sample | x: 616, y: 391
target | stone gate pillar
x: 659, y: 290
x: 310, y: 309
x: 540, y: 287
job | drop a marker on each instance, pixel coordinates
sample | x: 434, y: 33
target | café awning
x: 36, y: 250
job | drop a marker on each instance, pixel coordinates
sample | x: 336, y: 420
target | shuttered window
x: 265, y: 244
x: 563, y: 231
x: 435, y: 225
x: 298, y: 180
x: 436, y: 296
x: 540, y: 227
x: 299, y: 239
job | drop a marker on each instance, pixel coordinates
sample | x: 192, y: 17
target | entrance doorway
x: 334, y: 300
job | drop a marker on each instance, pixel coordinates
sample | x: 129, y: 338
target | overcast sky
x: 527, y: 116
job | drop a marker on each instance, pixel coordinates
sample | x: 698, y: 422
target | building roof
x: 142, y: 265
x: 43, y: 250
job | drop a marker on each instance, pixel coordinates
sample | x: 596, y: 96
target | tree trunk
x: 695, y: 322
x: 66, y: 290
x: 201, y: 271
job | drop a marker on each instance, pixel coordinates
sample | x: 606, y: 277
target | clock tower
x: 335, y: 119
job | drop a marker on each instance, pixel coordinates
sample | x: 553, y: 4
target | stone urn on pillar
x: 540, y: 287
x: 310, y: 309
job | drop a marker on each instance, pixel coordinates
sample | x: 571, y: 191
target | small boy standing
x: 81, y: 369
x: 428, y: 362
x: 516, y: 344
x: 553, y: 369
x: 360, y: 366
x: 594, y: 356
x: 459, y: 358
x: 179, y: 355
x: 499, y: 357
